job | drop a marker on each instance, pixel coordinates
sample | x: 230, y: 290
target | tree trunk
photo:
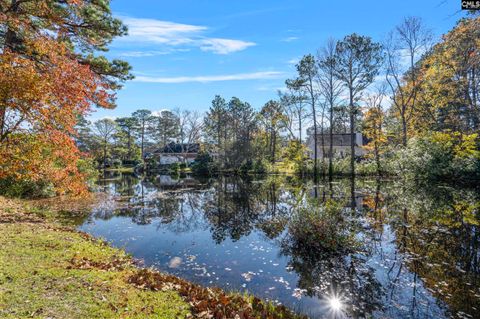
x: 330, y: 151
x: 475, y: 110
x: 3, y: 111
x: 219, y: 136
x: 129, y: 143
x: 300, y: 127
x: 225, y: 147
x: 352, y: 134
x: 352, y: 143
x: 323, y: 143
x: 143, y: 137
x: 274, y: 141
x: 404, y: 130
x: 377, y: 159
x: 105, y: 154
x: 9, y: 40
x: 315, y: 133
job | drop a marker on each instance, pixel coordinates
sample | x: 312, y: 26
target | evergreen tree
x: 143, y: 121
x: 215, y: 127
x: 127, y: 127
x: 307, y: 71
x: 358, y: 60
x: 165, y: 127
x: 272, y: 117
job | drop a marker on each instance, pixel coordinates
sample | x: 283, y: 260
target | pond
x: 363, y: 248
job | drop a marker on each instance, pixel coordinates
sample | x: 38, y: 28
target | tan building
x: 341, y: 144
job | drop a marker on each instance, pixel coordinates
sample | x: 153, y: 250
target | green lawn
x: 49, y: 270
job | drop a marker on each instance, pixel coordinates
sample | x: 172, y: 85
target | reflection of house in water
x: 169, y: 182
x: 177, y: 153
x: 341, y: 144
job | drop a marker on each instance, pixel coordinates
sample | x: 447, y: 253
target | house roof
x: 172, y: 148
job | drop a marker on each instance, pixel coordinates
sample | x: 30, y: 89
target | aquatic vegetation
x: 321, y: 228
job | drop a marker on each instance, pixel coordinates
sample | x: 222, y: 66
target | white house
x: 177, y: 153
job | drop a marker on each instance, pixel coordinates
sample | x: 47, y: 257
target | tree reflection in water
x: 385, y: 249
x: 323, y: 250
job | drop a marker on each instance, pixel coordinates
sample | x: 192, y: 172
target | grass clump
x: 320, y: 228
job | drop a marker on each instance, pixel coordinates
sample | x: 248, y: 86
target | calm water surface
x: 414, y: 251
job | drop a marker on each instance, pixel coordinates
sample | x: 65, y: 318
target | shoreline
x: 51, y: 270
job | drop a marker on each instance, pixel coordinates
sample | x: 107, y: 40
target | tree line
x: 397, y: 93
x: 129, y: 141
x: 414, y: 98
x: 411, y: 97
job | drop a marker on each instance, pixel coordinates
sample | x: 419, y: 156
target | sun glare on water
x: 335, y: 307
x: 335, y: 304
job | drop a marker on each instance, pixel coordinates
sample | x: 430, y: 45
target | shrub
x: 175, y: 167
x: 259, y: 167
x: 367, y: 168
x: 130, y: 163
x: 33, y: 165
x: 203, y: 164
x: 116, y: 163
x: 321, y: 228
x: 86, y: 167
x: 246, y: 166
x: 182, y: 165
x: 26, y: 188
x: 439, y: 156
x: 296, y: 155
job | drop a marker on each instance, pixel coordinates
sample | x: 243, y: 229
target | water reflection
x: 337, y: 249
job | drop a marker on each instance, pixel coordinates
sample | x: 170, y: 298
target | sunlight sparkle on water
x: 335, y: 304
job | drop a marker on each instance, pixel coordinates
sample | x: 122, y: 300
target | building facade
x: 173, y: 153
x: 341, y: 144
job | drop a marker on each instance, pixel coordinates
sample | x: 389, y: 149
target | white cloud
x: 290, y: 39
x: 224, y: 46
x: 170, y: 34
x: 265, y: 75
x: 94, y: 118
x: 157, y: 31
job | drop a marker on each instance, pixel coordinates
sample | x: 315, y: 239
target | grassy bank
x: 122, y: 169
x: 49, y: 270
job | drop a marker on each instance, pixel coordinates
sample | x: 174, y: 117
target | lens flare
x: 335, y: 304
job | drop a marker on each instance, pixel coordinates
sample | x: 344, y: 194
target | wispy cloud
x: 265, y: 75
x: 290, y: 39
x: 150, y: 53
x: 158, y: 31
x: 171, y: 34
x: 293, y: 61
x: 224, y: 46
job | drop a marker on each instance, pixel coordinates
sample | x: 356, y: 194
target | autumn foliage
x: 45, y: 85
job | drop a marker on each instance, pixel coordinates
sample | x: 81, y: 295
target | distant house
x: 341, y: 144
x: 177, y: 153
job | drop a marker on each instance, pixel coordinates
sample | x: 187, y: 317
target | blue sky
x: 184, y: 52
